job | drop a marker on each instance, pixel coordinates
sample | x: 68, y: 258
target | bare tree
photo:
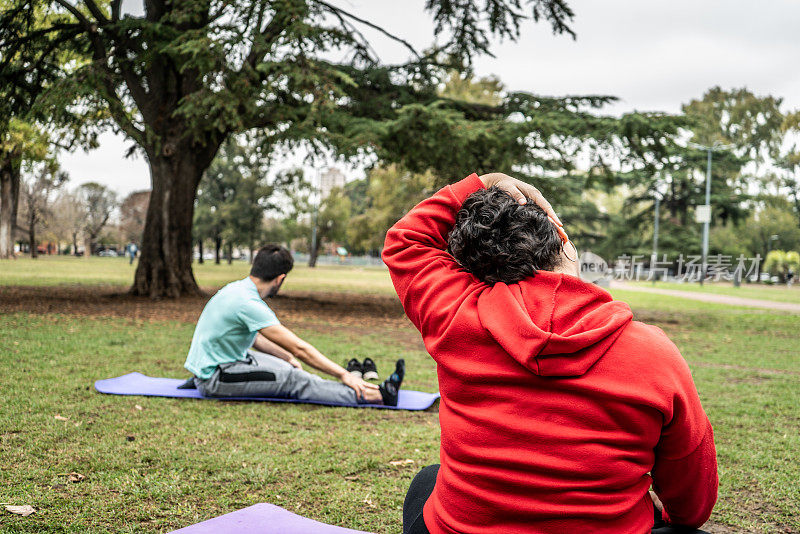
x: 68, y: 218
x: 98, y: 203
x: 133, y: 214
x: 36, y: 191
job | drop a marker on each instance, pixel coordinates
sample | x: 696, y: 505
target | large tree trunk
x: 165, y: 264
x: 200, y: 251
x: 9, y: 197
x: 217, y: 249
x: 230, y: 253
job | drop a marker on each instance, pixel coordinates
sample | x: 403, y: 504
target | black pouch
x: 189, y: 384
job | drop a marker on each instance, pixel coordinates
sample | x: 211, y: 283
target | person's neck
x: 569, y: 268
x: 262, y: 286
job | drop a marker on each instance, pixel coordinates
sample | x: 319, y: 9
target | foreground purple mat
x: 264, y: 519
x: 139, y: 384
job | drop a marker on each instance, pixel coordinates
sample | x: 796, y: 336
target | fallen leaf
x: 62, y: 418
x: 351, y: 477
x: 73, y: 476
x: 138, y: 407
x: 24, y: 510
x: 76, y: 477
x: 401, y: 462
x: 368, y: 501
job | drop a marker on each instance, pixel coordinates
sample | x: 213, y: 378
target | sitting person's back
x: 556, y: 406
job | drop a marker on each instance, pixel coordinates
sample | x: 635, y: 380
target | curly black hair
x: 499, y: 240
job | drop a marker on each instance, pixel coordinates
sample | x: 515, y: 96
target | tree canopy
x: 186, y: 75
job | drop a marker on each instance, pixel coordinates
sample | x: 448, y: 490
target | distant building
x: 329, y: 180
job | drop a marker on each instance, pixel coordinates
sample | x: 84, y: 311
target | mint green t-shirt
x: 227, y: 327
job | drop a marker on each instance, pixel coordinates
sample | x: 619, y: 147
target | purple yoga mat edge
x: 263, y: 518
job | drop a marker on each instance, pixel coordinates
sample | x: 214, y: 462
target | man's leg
x: 303, y: 385
x: 418, y: 493
x: 262, y: 375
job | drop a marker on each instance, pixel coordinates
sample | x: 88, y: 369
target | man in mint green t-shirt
x: 237, y: 319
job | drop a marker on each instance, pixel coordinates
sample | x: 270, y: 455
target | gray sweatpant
x: 262, y: 375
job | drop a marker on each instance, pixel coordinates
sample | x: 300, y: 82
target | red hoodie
x: 556, y: 406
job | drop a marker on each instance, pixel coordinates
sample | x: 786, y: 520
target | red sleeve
x: 688, y: 486
x: 685, y: 471
x: 429, y: 282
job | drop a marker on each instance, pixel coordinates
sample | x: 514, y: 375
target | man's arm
x: 429, y: 282
x: 305, y: 352
x: 262, y: 344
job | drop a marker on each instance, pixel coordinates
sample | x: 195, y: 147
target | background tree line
x: 610, y: 210
x: 54, y: 218
x: 184, y: 78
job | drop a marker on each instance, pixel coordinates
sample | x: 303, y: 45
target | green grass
x: 68, y: 270
x: 778, y: 293
x: 188, y: 460
x: 192, y: 460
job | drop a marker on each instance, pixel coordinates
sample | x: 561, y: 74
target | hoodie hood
x: 553, y: 324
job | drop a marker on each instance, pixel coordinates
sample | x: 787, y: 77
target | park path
x: 711, y: 297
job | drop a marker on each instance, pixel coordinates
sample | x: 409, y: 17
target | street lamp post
x: 707, y: 207
x: 316, y: 194
x: 655, y: 227
x: 708, y: 218
x: 656, y: 217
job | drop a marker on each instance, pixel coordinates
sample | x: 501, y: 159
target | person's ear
x: 279, y: 279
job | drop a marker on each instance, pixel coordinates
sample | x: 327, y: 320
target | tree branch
x: 347, y: 14
x: 138, y: 93
x: 115, y: 10
x: 95, y: 10
x: 274, y: 28
x: 364, y: 45
x: 118, y: 111
x: 77, y: 14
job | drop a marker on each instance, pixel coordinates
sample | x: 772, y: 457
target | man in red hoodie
x: 558, y: 411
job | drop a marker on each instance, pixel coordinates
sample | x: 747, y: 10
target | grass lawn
x: 68, y: 270
x: 779, y: 293
x: 154, y: 464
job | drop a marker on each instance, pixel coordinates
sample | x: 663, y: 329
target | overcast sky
x: 652, y: 55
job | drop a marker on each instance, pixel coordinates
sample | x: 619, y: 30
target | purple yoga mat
x: 264, y: 518
x: 139, y: 384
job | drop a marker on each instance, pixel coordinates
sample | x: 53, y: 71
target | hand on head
x: 521, y: 191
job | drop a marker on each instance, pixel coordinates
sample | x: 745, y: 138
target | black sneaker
x: 354, y: 368
x: 399, y: 372
x: 369, y: 369
x: 390, y: 389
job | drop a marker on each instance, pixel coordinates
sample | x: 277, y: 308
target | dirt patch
x: 719, y: 528
x: 752, y: 380
x: 713, y: 298
x: 361, y: 311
